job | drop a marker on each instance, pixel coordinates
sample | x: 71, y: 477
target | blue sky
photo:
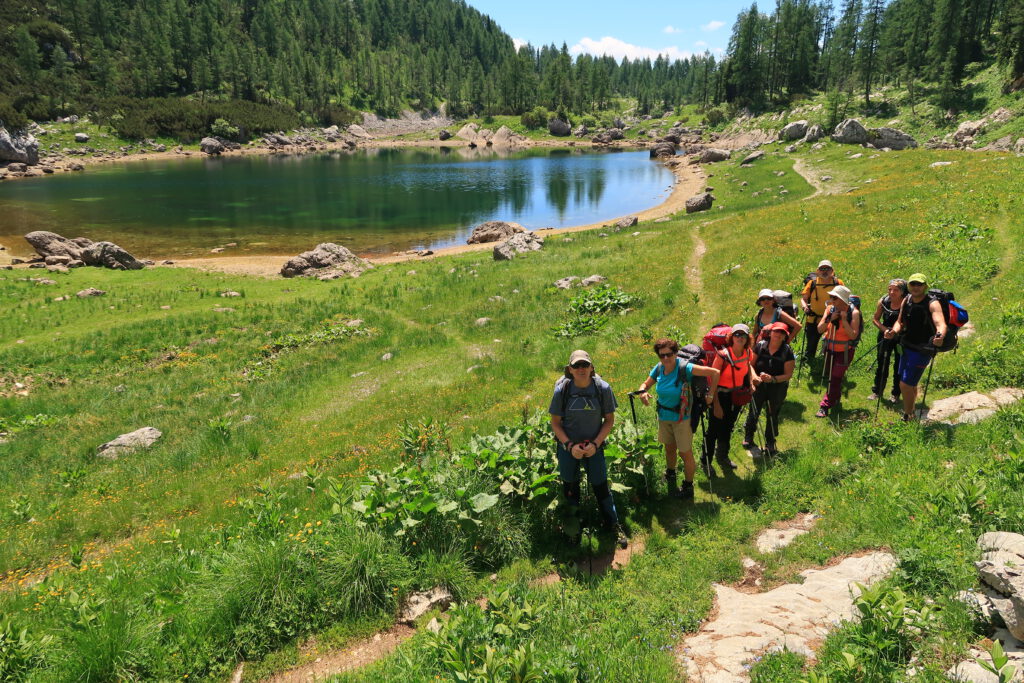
x: 641, y: 28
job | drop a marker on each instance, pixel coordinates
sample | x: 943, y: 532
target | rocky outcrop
x: 713, y: 154
x: 128, y: 443
x: 972, y: 406
x: 505, y: 137
x: 102, y: 254
x: 627, y: 222
x: 699, y: 202
x: 793, y: 130
x: 358, y: 131
x: 327, y: 261
x: 580, y: 131
x: 850, y: 132
x: 1001, y: 571
x: 663, y: 150
x: 21, y: 147
x: 211, y: 146
x: 520, y: 243
x: 558, y: 127
x: 814, y: 133
x: 494, y: 231
x: 615, y: 134
x: 891, y: 138
x: 468, y: 132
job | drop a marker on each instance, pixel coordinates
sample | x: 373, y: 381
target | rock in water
x: 494, y: 231
x: 19, y: 146
x: 850, y: 132
x: 519, y: 243
x: 127, y: 443
x: 211, y: 146
x: 559, y: 127
x: 699, y: 202
x: 326, y: 255
x: 793, y: 131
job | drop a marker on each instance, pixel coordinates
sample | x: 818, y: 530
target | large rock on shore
x: 663, y: 149
x: 891, y: 138
x: 358, y: 131
x: 101, y: 254
x: 494, y: 231
x: 520, y: 243
x: 713, y: 154
x: 559, y: 127
x: 468, y: 132
x: 20, y: 147
x: 327, y: 259
x: 211, y: 146
x: 699, y: 202
x: 505, y: 137
x: 793, y: 130
x: 850, y: 132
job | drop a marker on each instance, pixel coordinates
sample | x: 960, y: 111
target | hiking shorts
x: 595, y: 466
x: 676, y: 435
x: 913, y: 365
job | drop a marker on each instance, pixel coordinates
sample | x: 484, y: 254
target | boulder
x: 519, y: 243
x: 327, y: 255
x: 109, y: 255
x: 277, y: 140
x: 1001, y: 115
x: 615, y: 134
x: 566, y: 282
x: 662, y: 150
x: 617, y: 123
x: 814, y: 133
x: 790, y: 149
x: 1003, y: 144
x: 505, y: 137
x: 601, y: 139
x: 850, y: 132
x: 91, y: 291
x: 752, y: 157
x: 445, y: 134
x: 968, y: 129
x: 593, y: 280
x: 627, y: 222
x: 713, y: 154
x: 211, y: 146
x: 580, y: 131
x: 559, y: 127
x: 699, y: 202
x: 1018, y: 146
x: 358, y: 131
x: 19, y: 146
x: 1008, y: 581
x: 49, y: 244
x: 127, y: 443
x: 672, y: 137
x: 468, y: 132
x: 418, y: 604
x: 793, y: 130
x: 494, y: 231
x: 891, y: 138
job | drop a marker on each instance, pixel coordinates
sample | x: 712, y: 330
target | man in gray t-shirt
x: 582, y: 415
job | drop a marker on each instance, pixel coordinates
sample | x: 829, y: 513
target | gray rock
x: 468, y: 132
x: 850, y: 132
x: 559, y: 127
x: 19, y: 146
x: 17, y: 167
x: 699, y: 202
x: 593, y: 280
x: 1003, y: 144
x: 326, y: 255
x: 57, y: 260
x: 127, y: 443
x: 663, y: 149
x: 494, y: 231
x: 601, y: 139
x: 109, y: 255
x: 580, y: 131
x: 387, y: 356
x: 790, y: 149
x: 81, y: 137
x: 968, y: 130
x: 211, y: 146
x: 1002, y: 541
x: 712, y: 155
x: 91, y: 291
x: 936, y: 164
x: 1008, y: 582
x: 627, y: 222
x: 793, y: 130
x: 445, y: 134
x: 57, y: 269
x: 891, y: 138
x: 418, y: 604
x: 615, y: 134
x: 566, y: 282
x: 519, y: 243
x: 481, y: 322
x: 1018, y: 146
x: 51, y: 244
x: 1001, y: 115
x: 814, y: 133
x: 505, y: 137
x: 359, y: 132
x: 752, y: 157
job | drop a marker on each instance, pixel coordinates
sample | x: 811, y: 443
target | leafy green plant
x: 20, y: 508
x: 20, y: 652
x: 1000, y: 664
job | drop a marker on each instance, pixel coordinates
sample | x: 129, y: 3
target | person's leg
x: 811, y: 330
x: 754, y: 411
x: 712, y: 436
x: 569, y: 473
x: 732, y: 413
x: 881, y: 367
x: 838, y: 364
x: 912, y: 368
x: 776, y: 397
x: 597, y: 475
x: 684, y: 440
x: 894, y: 362
x: 667, y: 437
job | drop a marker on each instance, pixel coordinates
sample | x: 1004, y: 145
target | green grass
x: 196, y: 553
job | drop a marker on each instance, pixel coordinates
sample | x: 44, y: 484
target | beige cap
x: 841, y: 292
x: 740, y: 327
x: 765, y: 293
x: 579, y: 355
x: 825, y: 262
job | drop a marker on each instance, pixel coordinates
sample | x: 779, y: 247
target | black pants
x: 889, y: 355
x: 774, y: 395
x: 720, y: 429
x: 813, y: 336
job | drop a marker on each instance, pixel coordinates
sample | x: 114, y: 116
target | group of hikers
x: 736, y: 367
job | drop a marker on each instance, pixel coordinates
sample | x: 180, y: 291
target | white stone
x: 127, y: 443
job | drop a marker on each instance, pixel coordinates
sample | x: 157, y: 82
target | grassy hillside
x: 236, y: 535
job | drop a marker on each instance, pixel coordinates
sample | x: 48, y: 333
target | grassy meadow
x: 304, y: 485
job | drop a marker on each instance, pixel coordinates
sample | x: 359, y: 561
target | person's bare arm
x: 940, y: 323
x: 877, y: 319
x: 794, y: 324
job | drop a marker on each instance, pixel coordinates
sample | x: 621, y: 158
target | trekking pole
x: 585, y: 520
x: 931, y: 366
x: 803, y: 349
x: 632, y: 405
x: 886, y: 356
x: 703, y: 423
x: 862, y: 356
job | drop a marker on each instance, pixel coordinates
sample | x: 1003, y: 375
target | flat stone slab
x: 781, y: 535
x: 969, y: 671
x: 972, y: 406
x: 797, y: 616
x: 128, y: 443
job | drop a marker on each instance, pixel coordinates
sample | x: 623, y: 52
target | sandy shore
x: 689, y: 180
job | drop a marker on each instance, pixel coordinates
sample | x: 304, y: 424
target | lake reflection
x: 372, y: 200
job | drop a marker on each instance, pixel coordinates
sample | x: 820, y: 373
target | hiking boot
x: 621, y: 537
x: 686, y: 492
x: 895, y: 398
x: 770, y: 451
x: 670, y: 478
x: 726, y: 464
x: 907, y: 417
x: 873, y: 396
x: 822, y: 412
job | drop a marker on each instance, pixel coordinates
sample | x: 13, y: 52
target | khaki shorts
x: 676, y: 435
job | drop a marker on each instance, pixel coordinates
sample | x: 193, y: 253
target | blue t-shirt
x: 671, y: 391
x: 582, y: 417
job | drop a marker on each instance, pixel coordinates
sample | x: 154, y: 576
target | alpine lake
x: 373, y: 201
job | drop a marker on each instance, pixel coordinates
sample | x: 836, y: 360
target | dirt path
x: 357, y: 655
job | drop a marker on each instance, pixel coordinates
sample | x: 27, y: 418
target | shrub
x: 535, y: 118
x: 190, y: 120
x: 224, y: 129
x: 20, y: 652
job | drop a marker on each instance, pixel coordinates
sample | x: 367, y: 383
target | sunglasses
x: 739, y: 334
x: 825, y: 269
x: 666, y: 355
x: 580, y: 364
x: 764, y: 298
x: 916, y: 284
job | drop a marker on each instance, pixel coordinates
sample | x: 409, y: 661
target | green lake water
x: 372, y: 201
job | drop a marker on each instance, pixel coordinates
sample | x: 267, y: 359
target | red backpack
x: 715, y: 340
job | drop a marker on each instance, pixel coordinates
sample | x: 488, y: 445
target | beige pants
x: 676, y: 435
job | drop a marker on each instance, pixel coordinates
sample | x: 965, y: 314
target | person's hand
x: 937, y: 340
x: 645, y: 398
x: 590, y: 449
x: 888, y: 334
x: 765, y: 377
x: 709, y: 399
x: 577, y: 451
x: 756, y: 382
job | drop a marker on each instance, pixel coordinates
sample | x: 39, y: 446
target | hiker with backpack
x: 774, y: 362
x: 923, y: 328
x: 841, y: 325
x: 773, y: 310
x: 813, y: 299
x: 887, y: 312
x: 674, y: 378
x: 736, y: 383
x: 582, y: 415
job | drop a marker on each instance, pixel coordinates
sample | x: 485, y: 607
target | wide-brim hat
x: 841, y: 292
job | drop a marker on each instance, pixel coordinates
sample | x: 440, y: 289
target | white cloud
x: 671, y: 29
x: 700, y: 43
x: 518, y: 43
x: 618, y: 49
x: 712, y: 26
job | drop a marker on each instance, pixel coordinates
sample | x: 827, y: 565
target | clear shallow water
x: 372, y: 201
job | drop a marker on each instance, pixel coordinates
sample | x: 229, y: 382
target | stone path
x: 970, y: 407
